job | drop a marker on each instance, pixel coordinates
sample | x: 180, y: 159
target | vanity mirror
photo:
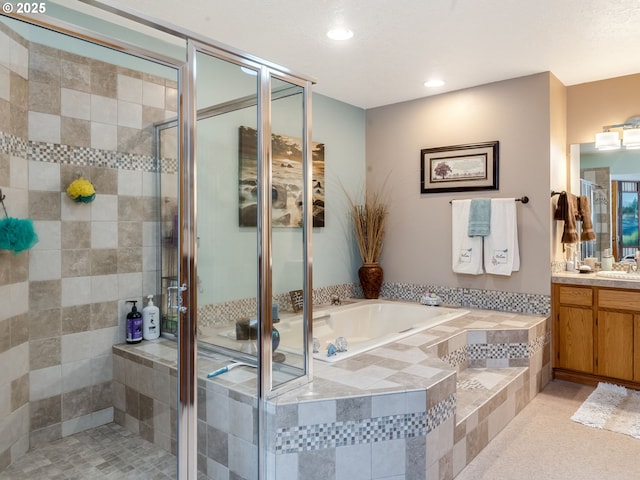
x: 611, y: 180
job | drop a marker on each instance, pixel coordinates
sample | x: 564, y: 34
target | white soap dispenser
x: 150, y: 320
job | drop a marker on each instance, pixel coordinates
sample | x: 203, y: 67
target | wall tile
x: 134, y: 140
x: 73, y: 211
x: 105, y: 180
x: 153, y: 94
x: 129, y: 183
x: 104, y: 80
x: 19, y: 172
x: 75, y: 235
x: 76, y: 263
x: 44, y: 205
x: 129, y: 234
x: 44, y: 353
x: 75, y: 291
x: 104, y: 110
x: 104, y: 261
x: 44, y: 66
x: 49, y: 236
x: 46, y: 412
x: 129, y: 114
x: 4, y: 83
x: 6, y: 118
x: 45, y: 383
x: 101, y: 370
x: 76, y: 424
x: 76, y: 403
x: 76, y: 347
x: 18, y: 329
x: 129, y: 89
x: 44, y: 265
x: 44, y: 127
x: 104, y: 235
x: 19, y: 392
x: 104, y: 136
x: 75, y: 132
x: 44, y: 323
x: 130, y: 209
x: 76, y: 319
x: 44, y: 176
x: 44, y: 436
x: 75, y: 104
x: 75, y: 75
x: 18, y: 92
x: 129, y: 260
x: 104, y: 314
x: 105, y: 208
x: 104, y: 288
x: 76, y: 375
x: 44, y: 295
x: 44, y: 98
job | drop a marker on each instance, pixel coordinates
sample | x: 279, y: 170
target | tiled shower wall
x: 62, y: 115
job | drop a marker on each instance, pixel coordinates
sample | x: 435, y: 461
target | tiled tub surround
x: 62, y: 114
x: 393, y: 412
x: 525, y: 303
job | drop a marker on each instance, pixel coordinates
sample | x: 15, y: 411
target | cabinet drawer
x: 619, y: 299
x: 579, y: 296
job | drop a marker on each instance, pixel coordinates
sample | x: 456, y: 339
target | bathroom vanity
x: 596, y: 329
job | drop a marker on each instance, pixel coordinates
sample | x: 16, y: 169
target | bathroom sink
x: 633, y: 276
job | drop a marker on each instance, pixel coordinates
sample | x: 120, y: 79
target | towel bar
x: 523, y: 199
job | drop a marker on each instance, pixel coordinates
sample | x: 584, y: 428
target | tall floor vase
x: 370, y: 275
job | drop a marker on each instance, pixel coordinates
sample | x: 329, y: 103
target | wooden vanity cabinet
x: 596, y: 334
x: 573, y: 328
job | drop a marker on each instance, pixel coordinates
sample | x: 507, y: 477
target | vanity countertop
x: 593, y: 279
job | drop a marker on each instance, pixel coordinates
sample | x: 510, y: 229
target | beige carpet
x: 542, y: 443
x: 611, y: 407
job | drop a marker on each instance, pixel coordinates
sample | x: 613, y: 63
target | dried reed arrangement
x: 368, y: 223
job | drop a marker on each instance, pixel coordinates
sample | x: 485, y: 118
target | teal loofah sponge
x: 17, y: 234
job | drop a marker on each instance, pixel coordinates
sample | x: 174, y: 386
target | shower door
x: 250, y: 248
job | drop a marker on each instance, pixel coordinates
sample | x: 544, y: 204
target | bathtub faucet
x: 335, y: 300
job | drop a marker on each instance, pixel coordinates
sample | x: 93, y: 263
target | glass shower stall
x: 201, y: 156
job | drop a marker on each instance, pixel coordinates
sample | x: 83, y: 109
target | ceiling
x: 399, y: 44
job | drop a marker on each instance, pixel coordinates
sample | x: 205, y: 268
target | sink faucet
x: 335, y: 300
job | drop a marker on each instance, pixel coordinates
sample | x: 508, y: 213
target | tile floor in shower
x: 106, y: 452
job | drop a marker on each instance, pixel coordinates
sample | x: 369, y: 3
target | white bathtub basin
x: 365, y: 325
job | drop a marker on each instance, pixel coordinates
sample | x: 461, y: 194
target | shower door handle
x: 178, y: 307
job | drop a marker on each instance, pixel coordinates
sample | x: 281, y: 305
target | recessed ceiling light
x: 340, y: 34
x: 434, y: 83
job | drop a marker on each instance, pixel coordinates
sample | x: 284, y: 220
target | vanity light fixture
x: 340, y: 33
x: 631, y: 138
x: 609, y: 138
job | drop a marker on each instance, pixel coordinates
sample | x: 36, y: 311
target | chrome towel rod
x: 523, y: 199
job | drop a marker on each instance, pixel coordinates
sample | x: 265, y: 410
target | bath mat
x: 611, y: 407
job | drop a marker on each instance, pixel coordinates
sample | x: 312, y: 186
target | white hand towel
x: 501, y: 251
x: 466, y: 251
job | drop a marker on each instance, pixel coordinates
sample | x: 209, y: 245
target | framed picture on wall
x: 286, y: 180
x: 459, y: 168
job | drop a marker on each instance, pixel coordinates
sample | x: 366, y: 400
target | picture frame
x: 286, y: 173
x: 459, y: 168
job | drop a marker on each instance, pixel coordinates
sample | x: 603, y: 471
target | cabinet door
x: 636, y: 348
x: 575, y: 339
x: 615, y: 345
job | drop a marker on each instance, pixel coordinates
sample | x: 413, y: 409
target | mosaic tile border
x: 357, y: 432
x: 525, y: 303
x: 83, y: 156
x: 495, y: 351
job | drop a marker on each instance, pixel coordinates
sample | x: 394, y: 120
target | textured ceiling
x: 398, y: 44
